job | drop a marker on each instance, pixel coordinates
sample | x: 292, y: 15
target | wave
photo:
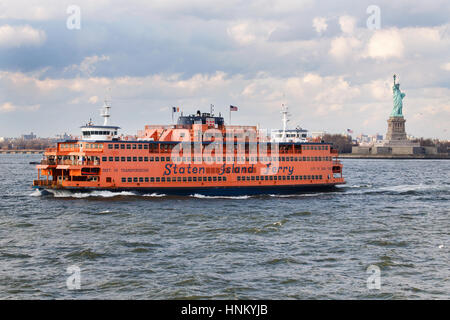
x: 201, y: 196
x: 101, y: 194
x: 414, y: 188
x: 156, y: 195
x: 36, y: 193
x: 298, y: 195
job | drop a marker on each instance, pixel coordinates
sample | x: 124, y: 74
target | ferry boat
x: 197, y: 155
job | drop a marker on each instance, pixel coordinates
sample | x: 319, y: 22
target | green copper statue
x: 398, y: 97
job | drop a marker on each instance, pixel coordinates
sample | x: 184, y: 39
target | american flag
x: 233, y: 108
x: 349, y: 131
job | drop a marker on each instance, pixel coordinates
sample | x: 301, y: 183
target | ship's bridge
x: 92, y: 132
x: 201, y: 118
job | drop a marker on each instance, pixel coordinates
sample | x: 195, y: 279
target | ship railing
x: 48, y: 162
x: 50, y: 150
x: 42, y: 183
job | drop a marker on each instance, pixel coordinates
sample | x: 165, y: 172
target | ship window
x: 128, y: 159
x: 116, y: 146
x: 271, y: 178
x: 292, y: 158
x: 184, y: 179
x: 179, y: 179
x: 194, y: 179
x: 141, y: 179
x: 111, y: 159
x: 134, y: 146
x: 130, y: 180
x: 134, y: 159
x: 156, y: 159
x: 152, y: 179
x: 104, y: 159
x: 151, y: 159
x: 275, y: 178
x: 140, y: 159
x: 167, y: 158
x: 214, y: 178
x: 115, y: 132
x: 110, y: 146
x: 257, y: 178
x: 146, y: 159
x: 145, y: 146
x: 122, y: 146
x: 124, y: 179
x: 135, y: 179
x: 190, y: 179
x: 163, y: 179
x: 289, y: 177
x: 209, y: 178
x: 224, y: 179
x: 253, y: 178
x: 128, y: 146
x: 146, y: 179
x: 158, y: 179
x: 238, y: 178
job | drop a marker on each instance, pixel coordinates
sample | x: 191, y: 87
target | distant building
x: 30, y: 136
x: 64, y: 136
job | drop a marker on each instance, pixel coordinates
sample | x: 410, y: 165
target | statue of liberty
x: 398, y: 97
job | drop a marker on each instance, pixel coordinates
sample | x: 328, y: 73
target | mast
x: 285, y: 113
x: 105, y: 112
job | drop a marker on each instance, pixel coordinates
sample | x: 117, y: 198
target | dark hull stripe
x: 216, y: 191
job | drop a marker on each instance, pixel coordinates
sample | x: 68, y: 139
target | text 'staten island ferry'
x: 198, y: 155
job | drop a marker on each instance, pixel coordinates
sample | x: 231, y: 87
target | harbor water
x: 392, y: 216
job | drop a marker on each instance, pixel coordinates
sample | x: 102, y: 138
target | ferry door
x: 60, y: 179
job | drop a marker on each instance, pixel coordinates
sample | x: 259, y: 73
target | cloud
x: 385, y: 44
x: 320, y: 24
x: 88, y: 65
x: 247, y: 32
x: 9, y: 107
x: 18, y: 36
x: 347, y: 24
x: 343, y: 47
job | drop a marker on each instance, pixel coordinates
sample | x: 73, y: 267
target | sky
x: 330, y: 62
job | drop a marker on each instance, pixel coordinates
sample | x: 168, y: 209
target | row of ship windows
x: 275, y: 178
x: 221, y: 178
x: 76, y: 146
x: 165, y: 146
x: 212, y: 159
x: 174, y: 179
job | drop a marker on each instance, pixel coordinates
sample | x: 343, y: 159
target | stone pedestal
x: 396, y: 129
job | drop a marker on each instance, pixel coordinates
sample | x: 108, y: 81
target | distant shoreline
x: 394, y: 157
x: 24, y: 151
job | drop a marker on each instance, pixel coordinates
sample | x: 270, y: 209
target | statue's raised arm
x: 398, y: 100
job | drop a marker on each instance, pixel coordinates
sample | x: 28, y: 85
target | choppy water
x: 392, y: 213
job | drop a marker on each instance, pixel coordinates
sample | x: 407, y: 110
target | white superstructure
x: 288, y: 135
